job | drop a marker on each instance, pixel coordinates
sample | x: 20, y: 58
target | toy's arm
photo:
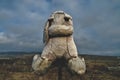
x: 60, y: 30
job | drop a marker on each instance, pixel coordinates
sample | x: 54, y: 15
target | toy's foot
x: 77, y: 65
x: 40, y: 64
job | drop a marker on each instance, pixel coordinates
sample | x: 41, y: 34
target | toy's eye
x: 66, y: 19
x: 50, y: 21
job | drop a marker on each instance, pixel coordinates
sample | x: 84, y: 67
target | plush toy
x: 58, y: 39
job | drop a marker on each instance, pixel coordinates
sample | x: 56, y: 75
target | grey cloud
x: 6, y: 38
x: 96, y: 23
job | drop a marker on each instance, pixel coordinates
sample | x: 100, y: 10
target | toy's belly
x: 59, y: 46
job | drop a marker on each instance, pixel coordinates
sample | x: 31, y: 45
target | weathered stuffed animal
x: 59, y: 43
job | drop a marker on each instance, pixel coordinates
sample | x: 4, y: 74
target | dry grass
x: 97, y: 69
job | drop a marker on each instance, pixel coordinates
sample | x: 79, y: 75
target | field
x: 98, y: 68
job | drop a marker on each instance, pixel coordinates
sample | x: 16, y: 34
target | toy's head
x: 60, y: 18
x: 59, y: 24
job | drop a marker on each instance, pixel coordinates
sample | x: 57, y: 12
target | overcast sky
x: 96, y: 24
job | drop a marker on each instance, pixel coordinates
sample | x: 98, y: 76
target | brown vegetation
x: 97, y: 69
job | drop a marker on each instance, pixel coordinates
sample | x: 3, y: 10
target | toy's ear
x: 45, y: 33
x: 46, y: 27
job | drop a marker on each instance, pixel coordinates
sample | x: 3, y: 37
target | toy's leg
x: 71, y: 47
x: 41, y: 63
x: 77, y: 65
